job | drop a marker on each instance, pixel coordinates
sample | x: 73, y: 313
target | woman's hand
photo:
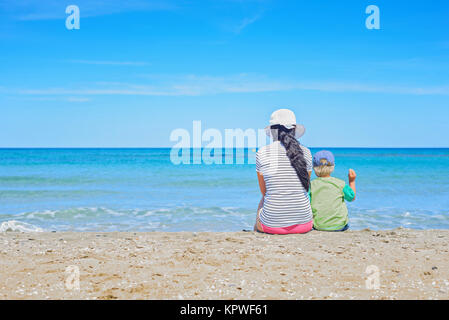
x: 257, y: 226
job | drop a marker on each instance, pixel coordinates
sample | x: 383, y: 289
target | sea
x: 136, y: 190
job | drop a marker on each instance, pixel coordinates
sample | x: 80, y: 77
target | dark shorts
x: 346, y: 227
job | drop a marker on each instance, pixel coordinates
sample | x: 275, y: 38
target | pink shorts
x: 297, y: 228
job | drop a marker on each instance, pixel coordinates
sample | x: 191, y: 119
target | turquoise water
x: 142, y: 190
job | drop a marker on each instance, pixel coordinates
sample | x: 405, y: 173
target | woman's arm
x: 263, y: 190
x: 262, y: 186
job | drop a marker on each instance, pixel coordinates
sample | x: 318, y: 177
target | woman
x: 283, y: 169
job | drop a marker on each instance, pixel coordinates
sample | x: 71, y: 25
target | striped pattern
x: 286, y: 202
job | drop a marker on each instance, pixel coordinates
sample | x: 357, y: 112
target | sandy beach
x: 243, y: 265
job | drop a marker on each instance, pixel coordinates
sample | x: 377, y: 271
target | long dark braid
x: 294, y: 152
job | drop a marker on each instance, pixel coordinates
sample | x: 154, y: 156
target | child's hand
x: 351, y: 175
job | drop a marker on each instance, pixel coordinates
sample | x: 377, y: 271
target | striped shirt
x: 286, y: 202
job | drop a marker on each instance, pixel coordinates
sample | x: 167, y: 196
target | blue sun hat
x: 323, y: 158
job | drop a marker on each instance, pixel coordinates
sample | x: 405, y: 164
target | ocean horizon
x: 141, y: 189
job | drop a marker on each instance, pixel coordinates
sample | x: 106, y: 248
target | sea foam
x: 18, y: 226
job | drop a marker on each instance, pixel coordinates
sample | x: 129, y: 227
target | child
x: 328, y: 194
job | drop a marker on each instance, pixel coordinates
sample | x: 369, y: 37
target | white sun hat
x: 286, y: 118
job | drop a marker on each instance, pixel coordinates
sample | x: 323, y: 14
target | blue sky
x: 136, y: 70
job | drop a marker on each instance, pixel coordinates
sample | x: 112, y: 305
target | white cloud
x: 112, y: 63
x: 194, y: 85
x: 77, y: 99
x: 246, y: 22
x: 59, y: 98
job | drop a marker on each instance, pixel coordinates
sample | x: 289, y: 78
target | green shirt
x: 327, y: 198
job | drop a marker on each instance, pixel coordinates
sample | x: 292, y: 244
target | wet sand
x: 238, y: 265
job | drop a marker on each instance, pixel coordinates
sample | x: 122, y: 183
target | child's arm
x: 351, y: 177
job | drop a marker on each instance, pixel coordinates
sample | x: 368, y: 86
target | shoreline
x: 411, y: 264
